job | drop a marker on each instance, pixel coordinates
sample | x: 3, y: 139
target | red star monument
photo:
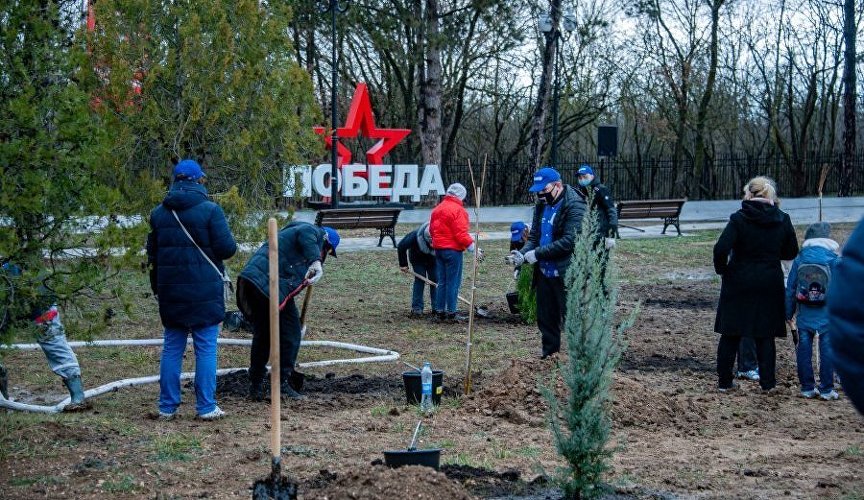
x: 362, y: 120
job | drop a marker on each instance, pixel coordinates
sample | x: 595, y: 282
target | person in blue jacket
x: 302, y: 251
x: 818, y: 252
x: 186, y: 275
x: 846, y: 317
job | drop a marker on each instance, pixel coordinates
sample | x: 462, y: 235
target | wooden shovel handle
x: 432, y: 283
x: 273, y: 276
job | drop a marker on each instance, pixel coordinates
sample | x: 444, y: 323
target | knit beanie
x: 818, y: 230
x: 457, y: 190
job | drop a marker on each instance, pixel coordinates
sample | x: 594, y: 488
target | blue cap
x: 516, y: 230
x: 585, y: 169
x: 189, y: 169
x: 332, y: 238
x: 543, y: 177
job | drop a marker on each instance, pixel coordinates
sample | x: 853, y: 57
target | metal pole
x: 555, y: 99
x: 334, y: 145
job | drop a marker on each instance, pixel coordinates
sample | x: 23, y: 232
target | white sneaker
x: 166, y: 416
x: 749, y: 375
x: 830, y: 396
x: 216, y: 414
x: 812, y: 393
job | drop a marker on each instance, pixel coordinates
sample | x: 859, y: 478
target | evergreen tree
x: 213, y: 80
x: 580, y: 425
x: 59, y: 178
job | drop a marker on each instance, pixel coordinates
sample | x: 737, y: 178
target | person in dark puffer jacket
x: 846, y: 317
x: 189, y: 289
x: 303, y: 248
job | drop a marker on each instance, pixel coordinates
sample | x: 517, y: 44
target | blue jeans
x: 449, y: 264
x: 427, y: 268
x: 204, y: 343
x: 52, y: 340
x: 804, y: 358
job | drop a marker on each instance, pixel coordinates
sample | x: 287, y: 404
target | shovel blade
x: 279, y: 488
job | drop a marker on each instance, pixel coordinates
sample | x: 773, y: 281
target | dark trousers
x: 256, y: 307
x: 551, y: 306
x: 747, y: 355
x: 766, y: 357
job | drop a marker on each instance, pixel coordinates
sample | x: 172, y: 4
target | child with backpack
x: 805, y: 294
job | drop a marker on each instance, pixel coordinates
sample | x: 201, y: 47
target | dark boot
x: 4, y: 382
x: 256, y: 389
x: 286, y: 385
x: 76, y: 393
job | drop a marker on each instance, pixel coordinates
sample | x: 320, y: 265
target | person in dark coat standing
x: 190, y: 290
x: 302, y: 251
x: 846, y: 317
x: 416, y: 248
x: 747, y: 257
x: 557, y: 220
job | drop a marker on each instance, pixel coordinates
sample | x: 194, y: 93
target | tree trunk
x: 704, y: 103
x: 538, y: 121
x: 849, y: 101
x: 429, y: 115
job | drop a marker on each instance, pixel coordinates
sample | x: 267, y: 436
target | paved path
x: 696, y: 215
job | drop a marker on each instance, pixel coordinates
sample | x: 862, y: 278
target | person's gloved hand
x: 530, y: 257
x: 315, y: 272
x: 610, y: 243
x: 514, y: 258
x: 480, y: 255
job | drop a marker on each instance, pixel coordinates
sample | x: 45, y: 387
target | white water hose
x: 380, y: 355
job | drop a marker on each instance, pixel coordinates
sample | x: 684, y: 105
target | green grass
x: 853, y: 450
x: 41, y: 480
x: 527, y: 452
x: 176, y: 447
x: 467, y: 460
x: 125, y: 484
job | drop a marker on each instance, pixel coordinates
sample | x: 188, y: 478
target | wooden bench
x: 668, y: 210
x: 383, y: 219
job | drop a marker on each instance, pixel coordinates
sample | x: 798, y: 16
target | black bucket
x: 414, y: 386
x: 513, y: 302
x: 398, y: 458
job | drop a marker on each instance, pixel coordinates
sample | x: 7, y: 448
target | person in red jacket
x: 449, y: 226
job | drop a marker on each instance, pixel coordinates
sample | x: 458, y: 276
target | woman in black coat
x: 747, y: 257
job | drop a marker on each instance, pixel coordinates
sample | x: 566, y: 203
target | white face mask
x: 585, y: 181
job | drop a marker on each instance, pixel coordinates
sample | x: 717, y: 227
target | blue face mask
x: 585, y: 182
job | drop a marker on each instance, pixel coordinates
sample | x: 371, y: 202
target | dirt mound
x: 514, y: 394
x: 382, y: 483
x: 636, y: 404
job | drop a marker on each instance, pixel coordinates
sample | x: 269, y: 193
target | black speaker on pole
x: 607, y: 140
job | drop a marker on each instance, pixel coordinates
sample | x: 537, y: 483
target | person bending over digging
x: 557, y: 220
x: 416, y: 248
x: 188, y: 241
x: 302, y: 251
x: 51, y: 337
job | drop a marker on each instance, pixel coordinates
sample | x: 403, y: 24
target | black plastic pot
x: 513, y: 302
x: 414, y: 386
x: 398, y: 458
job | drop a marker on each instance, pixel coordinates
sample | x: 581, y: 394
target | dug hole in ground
x: 673, y: 434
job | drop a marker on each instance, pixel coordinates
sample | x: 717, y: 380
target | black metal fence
x: 654, y: 178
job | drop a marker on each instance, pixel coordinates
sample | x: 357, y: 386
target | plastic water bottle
x: 426, y: 381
